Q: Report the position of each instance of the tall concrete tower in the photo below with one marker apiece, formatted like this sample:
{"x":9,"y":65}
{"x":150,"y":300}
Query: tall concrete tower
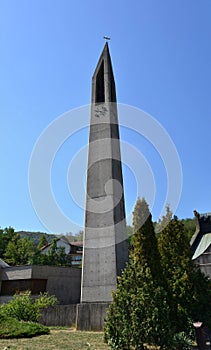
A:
{"x":105,"y":242}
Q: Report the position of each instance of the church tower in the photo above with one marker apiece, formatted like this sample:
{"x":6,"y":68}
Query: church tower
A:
{"x":105,"y":241}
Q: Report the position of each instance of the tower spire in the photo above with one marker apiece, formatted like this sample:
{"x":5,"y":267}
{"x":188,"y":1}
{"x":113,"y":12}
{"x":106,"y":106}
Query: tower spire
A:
{"x":103,"y":84}
{"x":105,"y":242}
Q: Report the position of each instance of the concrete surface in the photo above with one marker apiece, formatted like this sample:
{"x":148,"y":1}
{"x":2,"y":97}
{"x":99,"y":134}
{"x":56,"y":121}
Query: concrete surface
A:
{"x":90,"y":316}
{"x":105,"y":243}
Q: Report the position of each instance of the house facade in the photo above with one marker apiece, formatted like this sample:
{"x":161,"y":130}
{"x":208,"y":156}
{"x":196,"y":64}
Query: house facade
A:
{"x":76,"y":253}
{"x":62,"y":281}
{"x":74,"y":249}
{"x":201,"y":242}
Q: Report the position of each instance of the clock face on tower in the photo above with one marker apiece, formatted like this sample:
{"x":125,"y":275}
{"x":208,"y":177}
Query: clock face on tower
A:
{"x":100,"y":111}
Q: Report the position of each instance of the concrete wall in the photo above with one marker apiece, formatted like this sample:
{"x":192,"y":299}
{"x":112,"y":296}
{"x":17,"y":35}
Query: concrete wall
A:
{"x":16,"y":273}
{"x":91,"y":316}
{"x":5,"y":299}
{"x":60,"y":315}
{"x":63,"y":282}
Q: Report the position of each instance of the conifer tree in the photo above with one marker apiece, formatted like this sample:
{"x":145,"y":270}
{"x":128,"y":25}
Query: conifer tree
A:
{"x":43,"y":241}
{"x":189,"y":289}
{"x":144,"y":241}
{"x":139,"y":313}
{"x":19,"y":251}
{"x":164,"y":221}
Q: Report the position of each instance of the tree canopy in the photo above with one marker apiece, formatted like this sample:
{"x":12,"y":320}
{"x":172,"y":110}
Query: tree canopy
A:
{"x":189,"y":289}
{"x":23,"y":251}
{"x":140,"y":312}
{"x":161,"y":291}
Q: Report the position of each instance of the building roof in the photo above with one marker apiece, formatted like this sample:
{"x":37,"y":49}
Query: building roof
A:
{"x":203,"y":245}
{"x":77,"y":244}
{"x":201,"y":240}
{"x":3,"y":263}
{"x":64,"y":239}
{"x":73,"y":244}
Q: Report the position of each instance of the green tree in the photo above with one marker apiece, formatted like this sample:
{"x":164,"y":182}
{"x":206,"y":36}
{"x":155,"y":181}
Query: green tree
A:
{"x":38,"y":258}
{"x":56,"y":256}
{"x":189,"y":289}
{"x":6,"y":235}
{"x":129,"y":233}
{"x":62,"y":258}
{"x":150,"y":312}
{"x":189,"y":227}
{"x":118,"y":330}
{"x":164,"y":221}
{"x":19,"y":251}
{"x":144,"y":240}
{"x":3,"y":243}
{"x":52,"y":253}
{"x":43,"y":241}
{"x":78,"y":237}
{"x":139,"y":312}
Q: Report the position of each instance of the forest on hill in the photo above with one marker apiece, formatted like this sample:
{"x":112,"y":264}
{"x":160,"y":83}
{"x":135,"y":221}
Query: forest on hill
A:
{"x":23,"y":247}
{"x":35,"y":237}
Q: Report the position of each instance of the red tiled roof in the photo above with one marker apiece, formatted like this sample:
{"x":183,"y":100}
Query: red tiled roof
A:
{"x":78,"y":244}
{"x":45,"y":246}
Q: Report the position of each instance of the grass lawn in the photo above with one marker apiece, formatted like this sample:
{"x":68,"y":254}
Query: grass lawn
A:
{"x":58,"y":339}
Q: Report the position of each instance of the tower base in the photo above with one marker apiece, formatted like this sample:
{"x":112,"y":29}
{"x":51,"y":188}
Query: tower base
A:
{"x":91,"y":316}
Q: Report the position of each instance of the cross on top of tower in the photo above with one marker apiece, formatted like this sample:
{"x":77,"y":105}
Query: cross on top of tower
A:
{"x":106,"y":38}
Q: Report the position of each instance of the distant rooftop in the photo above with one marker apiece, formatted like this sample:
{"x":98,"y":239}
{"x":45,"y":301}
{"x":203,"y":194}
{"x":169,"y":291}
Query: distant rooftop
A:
{"x":78,"y":244}
{"x":3,"y":263}
{"x":201,"y":215}
{"x":201,"y":239}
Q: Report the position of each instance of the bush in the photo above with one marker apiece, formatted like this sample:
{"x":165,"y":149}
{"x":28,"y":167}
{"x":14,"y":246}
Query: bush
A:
{"x":139,"y":313}
{"x":12,"y":328}
{"x":24,"y":308}
{"x":182,"y":341}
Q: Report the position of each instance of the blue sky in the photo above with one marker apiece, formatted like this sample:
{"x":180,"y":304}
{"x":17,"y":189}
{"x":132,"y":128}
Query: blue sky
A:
{"x":161,"y":57}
